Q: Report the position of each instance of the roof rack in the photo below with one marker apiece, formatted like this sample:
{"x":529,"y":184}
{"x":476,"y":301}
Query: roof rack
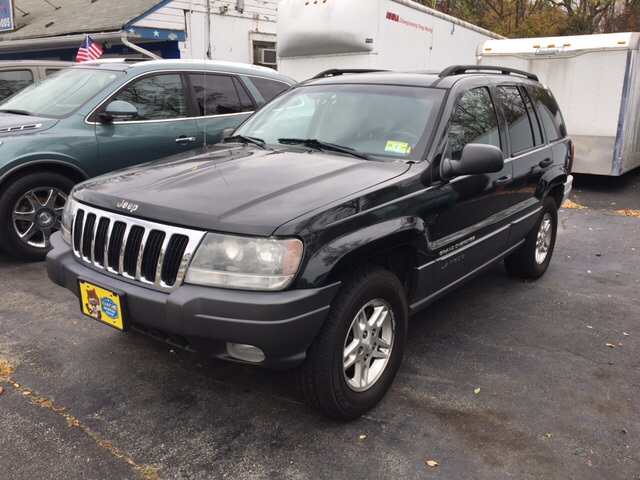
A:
{"x":460,"y":69}
{"x":334,"y":72}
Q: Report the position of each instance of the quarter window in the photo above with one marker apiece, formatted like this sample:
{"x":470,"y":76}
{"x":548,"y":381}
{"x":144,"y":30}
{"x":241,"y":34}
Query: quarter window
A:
{"x":159,"y":97}
{"x":219,"y":94}
{"x":269,"y":88}
{"x":13,"y":81}
{"x":474,"y":121}
{"x":518,"y":121}
{"x":549,"y":113}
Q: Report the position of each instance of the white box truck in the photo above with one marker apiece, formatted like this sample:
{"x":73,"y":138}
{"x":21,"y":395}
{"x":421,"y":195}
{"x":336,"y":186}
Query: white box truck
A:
{"x":318,"y":35}
{"x":596,"y":81}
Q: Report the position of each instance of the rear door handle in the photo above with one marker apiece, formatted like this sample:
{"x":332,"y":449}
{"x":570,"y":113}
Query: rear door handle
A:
{"x":545,"y":163}
{"x":503,"y":180}
{"x":184,"y":139}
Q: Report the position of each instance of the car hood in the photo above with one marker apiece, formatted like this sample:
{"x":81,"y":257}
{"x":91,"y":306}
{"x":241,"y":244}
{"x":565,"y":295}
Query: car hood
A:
{"x":12,"y":124}
{"x":240,"y":190}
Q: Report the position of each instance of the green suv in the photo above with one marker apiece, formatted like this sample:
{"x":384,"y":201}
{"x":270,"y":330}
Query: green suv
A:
{"x":101,"y":116}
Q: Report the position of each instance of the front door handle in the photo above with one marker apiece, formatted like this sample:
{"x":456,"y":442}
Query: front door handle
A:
{"x":184,"y":139}
{"x":545,"y":163}
{"x":503,"y":180}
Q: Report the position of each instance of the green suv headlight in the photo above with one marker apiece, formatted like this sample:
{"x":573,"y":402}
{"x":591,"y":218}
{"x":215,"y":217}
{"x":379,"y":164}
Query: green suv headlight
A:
{"x":67,"y":218}
{"x":246,"y":263}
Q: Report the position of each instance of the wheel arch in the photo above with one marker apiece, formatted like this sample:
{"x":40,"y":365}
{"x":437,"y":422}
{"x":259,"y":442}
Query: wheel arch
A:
{"x":394,"y":245}
{"x":61,"y":167}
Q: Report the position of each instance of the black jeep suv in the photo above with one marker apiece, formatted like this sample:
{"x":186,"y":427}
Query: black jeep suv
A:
{"x":307,"y":238}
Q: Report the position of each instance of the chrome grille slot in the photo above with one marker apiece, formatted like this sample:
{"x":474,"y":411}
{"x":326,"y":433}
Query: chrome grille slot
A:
{"x":87,"y":237}
{"x":173,"y":257}
{"x":153,"y":254}
{"x":134,"y":240}
{"x":100,"y":241}
{"x":114,"y":245}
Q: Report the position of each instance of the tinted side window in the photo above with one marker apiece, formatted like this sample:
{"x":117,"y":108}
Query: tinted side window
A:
{"x":549,"y":113}
{"x":216,"y":94}
{"x":517,"y":118}
{"x":269,"y":88}
{"x":245,"y":100}
{"x":158,"y":97}
{"x":535,"y":124}
{"x":13,"y":81}
{"x":474,"y":121}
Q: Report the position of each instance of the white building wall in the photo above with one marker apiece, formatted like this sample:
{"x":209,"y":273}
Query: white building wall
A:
{"x":225,"y":35}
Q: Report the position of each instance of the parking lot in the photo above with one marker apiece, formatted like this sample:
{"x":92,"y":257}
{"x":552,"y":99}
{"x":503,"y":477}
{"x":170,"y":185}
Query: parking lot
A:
{"x":502,"y":378}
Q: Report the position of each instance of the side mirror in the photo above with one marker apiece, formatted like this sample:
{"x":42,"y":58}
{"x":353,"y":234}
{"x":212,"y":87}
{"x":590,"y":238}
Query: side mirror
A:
{"x":119,"y":110}
{"x":226,"y":133}
{"x":476,"y":158}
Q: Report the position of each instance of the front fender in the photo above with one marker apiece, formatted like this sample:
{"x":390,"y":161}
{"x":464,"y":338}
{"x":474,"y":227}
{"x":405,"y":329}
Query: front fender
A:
{"x":340,"y":255}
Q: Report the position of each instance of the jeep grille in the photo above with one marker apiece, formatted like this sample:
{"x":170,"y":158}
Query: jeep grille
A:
{"x":154,"y":254}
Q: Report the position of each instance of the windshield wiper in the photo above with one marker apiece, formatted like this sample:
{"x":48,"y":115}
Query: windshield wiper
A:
{"x":253,"y":140}
{"x":320,"y":145}
{"x":16,"y":112}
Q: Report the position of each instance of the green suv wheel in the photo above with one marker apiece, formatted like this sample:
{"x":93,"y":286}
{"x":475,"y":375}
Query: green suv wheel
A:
{"x":30,"y":211}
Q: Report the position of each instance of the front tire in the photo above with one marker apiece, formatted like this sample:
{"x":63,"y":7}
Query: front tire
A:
{"x":30,"y":211}
{"x":358,"y":351}
{"x":532,"y":259}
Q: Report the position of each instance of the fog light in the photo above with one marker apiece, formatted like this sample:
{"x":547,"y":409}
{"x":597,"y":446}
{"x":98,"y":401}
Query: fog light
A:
{"x":248,"y":353}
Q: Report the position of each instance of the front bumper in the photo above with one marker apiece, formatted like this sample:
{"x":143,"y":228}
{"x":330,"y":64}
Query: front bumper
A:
{"x":282,"y":324}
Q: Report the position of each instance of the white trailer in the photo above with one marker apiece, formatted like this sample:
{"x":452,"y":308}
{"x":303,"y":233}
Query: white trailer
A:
{"x":596,"y":81}
{"x":317,"y":35}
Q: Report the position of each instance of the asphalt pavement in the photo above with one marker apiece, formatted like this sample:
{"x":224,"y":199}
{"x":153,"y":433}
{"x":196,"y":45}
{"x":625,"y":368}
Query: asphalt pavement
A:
{"x":503,"y":378}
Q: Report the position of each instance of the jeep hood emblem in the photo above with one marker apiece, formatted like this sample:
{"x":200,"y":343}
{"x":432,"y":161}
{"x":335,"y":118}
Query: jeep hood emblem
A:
{"x":132,"y":207}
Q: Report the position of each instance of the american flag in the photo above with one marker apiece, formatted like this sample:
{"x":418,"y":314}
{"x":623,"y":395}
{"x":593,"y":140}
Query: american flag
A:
{"x":89,"y":50}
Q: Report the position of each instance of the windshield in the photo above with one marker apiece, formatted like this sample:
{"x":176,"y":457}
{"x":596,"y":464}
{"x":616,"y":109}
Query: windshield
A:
{"x":61,"y":93}
{"x":381,"y":120}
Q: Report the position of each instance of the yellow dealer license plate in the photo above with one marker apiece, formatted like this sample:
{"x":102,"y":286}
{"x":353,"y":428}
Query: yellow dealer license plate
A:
{"x":102,"y":304}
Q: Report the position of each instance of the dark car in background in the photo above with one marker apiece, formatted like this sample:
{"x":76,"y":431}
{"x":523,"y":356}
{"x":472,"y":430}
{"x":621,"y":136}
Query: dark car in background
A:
{"x":105,"y":115}
{"x":18,"y":74}
{"x":307,"y":238}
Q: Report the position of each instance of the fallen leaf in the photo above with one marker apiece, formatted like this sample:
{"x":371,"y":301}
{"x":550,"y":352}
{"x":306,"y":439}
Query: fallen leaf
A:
{"x":431,"y":463}
{"x":16,"y":385}
{"x":568,"y":256}
{"x":26,"y":393}
{"x":588,"y":271}
{"x":589,"y":464}
{"x":61,"y":410}
{"x":173,"y":352}
{"x":610,"y":345}
{"x":549,"y":435}
{"x":625,"y":334}
{"x":362,"y":437}
{"x":41,"y":400}
{"x":591,"y":229}
{"x":599,"y":229}
{"x":1,"y":390}
{"x":75,"y":323}
{"x":619,"y":344}
{"x":624,"y":430}
{"x":477,"y":390}
{"x":598,"y":254}
{"x":589,"y":326}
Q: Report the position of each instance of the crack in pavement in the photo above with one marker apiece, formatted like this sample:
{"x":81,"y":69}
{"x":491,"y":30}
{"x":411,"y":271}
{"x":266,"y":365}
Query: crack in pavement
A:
{"x":553,"y":350}
{"x":6,"y":370}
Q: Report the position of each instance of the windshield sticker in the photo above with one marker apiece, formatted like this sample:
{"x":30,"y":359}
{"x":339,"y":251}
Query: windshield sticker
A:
{"x":397,"y":147}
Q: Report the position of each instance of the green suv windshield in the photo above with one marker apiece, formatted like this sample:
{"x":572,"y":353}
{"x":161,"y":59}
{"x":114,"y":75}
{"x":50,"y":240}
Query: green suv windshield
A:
{"x":59,"y":94}
{"x":380,"y":120}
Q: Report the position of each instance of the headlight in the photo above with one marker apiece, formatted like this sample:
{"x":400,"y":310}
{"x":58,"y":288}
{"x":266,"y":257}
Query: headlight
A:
{"x":67,"y":218}
{"x":247,"y":263}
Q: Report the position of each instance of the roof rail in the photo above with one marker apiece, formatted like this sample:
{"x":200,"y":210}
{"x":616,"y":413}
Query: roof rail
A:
{"x":460,"y":69}
{"x":334,"y":72}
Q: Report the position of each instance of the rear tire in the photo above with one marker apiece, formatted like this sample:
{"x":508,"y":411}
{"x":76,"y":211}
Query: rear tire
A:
{"x":532,"y":259}
{"x":30,"y":211}
{"x":355,"y":357}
